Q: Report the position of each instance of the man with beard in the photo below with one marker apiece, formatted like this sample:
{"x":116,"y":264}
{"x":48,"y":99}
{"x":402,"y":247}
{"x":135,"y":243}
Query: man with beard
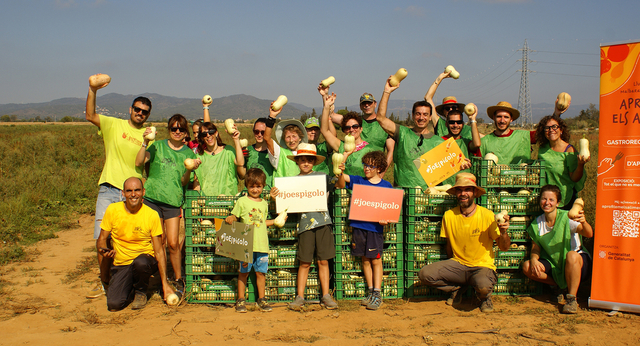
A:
{"x":510,"y":146}
{"x":122,"y":141}
{"x":131,"y":244}
{"x":470,"y":231}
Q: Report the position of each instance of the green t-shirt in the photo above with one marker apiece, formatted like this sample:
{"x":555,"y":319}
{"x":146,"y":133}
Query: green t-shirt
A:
{"x":354,"y":165}
{"x":374,"y":134}
{"x":121,"y":146}
{"x":442,"y":130}
{"x":463,"y":143}
{"x":217,"y":173}
{"x":260,"y":159}
{"x":511,"y":149}
{"x":166,"y":168}
{"x":558,"y":167}
{"x":405,"y":172}
{"x":286,"y":167}
{"x":326,"y":166}
{"x":554,"y":244}
{"x":254,"y":213}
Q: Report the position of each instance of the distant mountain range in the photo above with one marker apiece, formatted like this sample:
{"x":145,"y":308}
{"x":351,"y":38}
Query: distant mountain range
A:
{"x":241,"y":106}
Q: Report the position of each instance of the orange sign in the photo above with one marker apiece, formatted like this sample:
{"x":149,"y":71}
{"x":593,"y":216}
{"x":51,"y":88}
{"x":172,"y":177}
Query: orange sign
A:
{"x":372,"y":203}
{"x":440,"y":163}
{"x":616,"y":257}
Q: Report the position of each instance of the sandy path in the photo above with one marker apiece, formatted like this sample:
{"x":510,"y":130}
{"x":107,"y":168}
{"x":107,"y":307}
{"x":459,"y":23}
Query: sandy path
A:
{"x":42,"y":305}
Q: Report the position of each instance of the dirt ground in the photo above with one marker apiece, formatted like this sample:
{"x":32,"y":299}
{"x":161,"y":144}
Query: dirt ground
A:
{"x":43,"y":302}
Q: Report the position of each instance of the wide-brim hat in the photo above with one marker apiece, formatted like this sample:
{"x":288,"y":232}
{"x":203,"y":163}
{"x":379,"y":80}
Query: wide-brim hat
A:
{"x":307,"y":149}
{"x":503,"y":106}
{"x":284,"y":123}
{"x":465,"y":179}
{"x":449,"y":101}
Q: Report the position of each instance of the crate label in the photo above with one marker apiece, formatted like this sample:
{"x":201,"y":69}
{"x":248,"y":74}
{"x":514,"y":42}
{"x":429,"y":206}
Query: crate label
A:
{"x":513,"y":199}
{"x":219,"y":287}
{"x":510,"y":280}
{"x":287,"y":290}
{"x":513,"y":172}
{"x":441,"y":200}
{"x":519,"y":227}
{"x":512,"y":253}
{"x":288,"y":252}
{"x":432,"y":255}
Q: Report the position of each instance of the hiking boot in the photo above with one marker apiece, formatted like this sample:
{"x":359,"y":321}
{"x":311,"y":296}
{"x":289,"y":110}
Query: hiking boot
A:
{"x":241,"y":306}
{"x":571,"y":306}
{"x":456,"y":296}
{"x":375,"y":302}
{"x":297,"y":304}
{"x":328,"y":302}
{"x":486,"y":305}
{"x":264,"y":305}
{"x":139,"y":301}
{"x":365,"y":301}
{"x":97,"y":291}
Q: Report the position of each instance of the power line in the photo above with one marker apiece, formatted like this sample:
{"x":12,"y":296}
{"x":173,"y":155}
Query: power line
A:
{"x":562,"y":63}
{"x":546,"y":51}
{"x":566,"y":74}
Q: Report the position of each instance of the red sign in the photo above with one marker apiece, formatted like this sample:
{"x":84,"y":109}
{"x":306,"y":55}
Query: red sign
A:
{"x":372,"y":203}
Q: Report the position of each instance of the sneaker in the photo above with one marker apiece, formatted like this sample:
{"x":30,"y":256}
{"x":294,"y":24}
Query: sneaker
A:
{"x":486,"y":305}
{"x":365,"y":301}
{"x":264,"y":306}
{"x":328,"y":302}
{"x":376,"y":301}
{"x":97,"y":291}
{"x":241,"y":306}
{"x":297,"y":304}
{"x":571,"y":306}
{"x":456,"y":296}
{"x":139,"y":301}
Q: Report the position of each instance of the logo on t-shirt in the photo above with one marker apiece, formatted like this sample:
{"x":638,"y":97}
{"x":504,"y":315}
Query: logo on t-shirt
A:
{"x":256,"y":217}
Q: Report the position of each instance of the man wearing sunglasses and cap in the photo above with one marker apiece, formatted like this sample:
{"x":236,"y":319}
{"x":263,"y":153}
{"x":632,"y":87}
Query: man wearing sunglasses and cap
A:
{"x":470,"y":231}
{"x":510,"y":146}
{"x":122,"y":142}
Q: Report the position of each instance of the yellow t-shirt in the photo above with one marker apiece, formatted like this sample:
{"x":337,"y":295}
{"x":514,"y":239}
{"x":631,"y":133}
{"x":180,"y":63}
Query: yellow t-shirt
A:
{"x":121,"y":145}
{"x":471,"y":238}
{"x":131,"y":234}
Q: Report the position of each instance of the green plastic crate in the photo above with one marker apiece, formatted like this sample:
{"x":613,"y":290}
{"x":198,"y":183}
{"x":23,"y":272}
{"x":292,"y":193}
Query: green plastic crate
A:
{"x":530,"y":173}
{"x":205,"y":207}
{"x":516,"y":283}
{"x":392,"y":259}
{"x":513,"y":202}
{"x":418,"y":203}
{"x":206,"y":289}
{"x":416,"y":289}
{"x":342,"y":230}
{"x":423,"y":230}
{"x":288,"y":232}
{"x":419,"y":255}
{"x":510,"y":259}
{"x":353,"y":286}
{"x":281,"y":285}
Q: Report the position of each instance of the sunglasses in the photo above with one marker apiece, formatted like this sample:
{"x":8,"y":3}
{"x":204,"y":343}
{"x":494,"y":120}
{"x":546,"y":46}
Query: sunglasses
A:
{"x":370,"y":166}
{"x":450,"y":108}
{"x":140,"y":110}
{"x":553,"y":128}
{"x":177,"y":129}
{"x":258,"y":132}
{"x":207,"y":133}
{"x":459,"y":122}
{"x":347,"y":127}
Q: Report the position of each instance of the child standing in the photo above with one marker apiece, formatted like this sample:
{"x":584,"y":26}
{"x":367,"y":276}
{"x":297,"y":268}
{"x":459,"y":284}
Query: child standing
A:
{"x":252,"y":210}
{"x":367,"y":237}
{"x":315,"y":235}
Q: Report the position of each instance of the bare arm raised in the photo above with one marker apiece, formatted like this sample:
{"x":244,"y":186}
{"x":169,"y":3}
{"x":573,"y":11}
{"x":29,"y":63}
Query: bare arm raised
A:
{"x":387,"y":124}
{"x":431,"y":93}
{"x":325,"y":123}
{"x":90,"y":110}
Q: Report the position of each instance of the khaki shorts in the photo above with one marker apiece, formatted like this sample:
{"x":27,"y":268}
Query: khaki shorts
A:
{"x":318,"y":241}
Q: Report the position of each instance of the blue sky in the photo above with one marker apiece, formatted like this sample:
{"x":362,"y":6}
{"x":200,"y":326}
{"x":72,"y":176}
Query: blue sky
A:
{"x":268,"y":48}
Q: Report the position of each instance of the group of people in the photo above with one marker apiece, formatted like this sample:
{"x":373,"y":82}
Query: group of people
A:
{"x":469,"y":229}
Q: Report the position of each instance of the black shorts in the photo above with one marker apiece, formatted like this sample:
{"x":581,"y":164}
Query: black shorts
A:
{"x":366,"y":243}
{"x":319,"y":241}
{"x":165,"y":211}
{"x":585,"y":273}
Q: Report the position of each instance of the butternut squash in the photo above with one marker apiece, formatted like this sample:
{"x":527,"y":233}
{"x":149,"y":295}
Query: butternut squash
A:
{"x":228,"y":124}
{"x":491,"y":157}
{"x":279,"y":103}
{"x":244,"y":143}
{"x":99,"y":80}
{"x":151,"y":136}
{"x":398,"y":77}
{"x":578,"y":205}
{"x":328,"y":81}
{"x":279,"y":221}
{"x":173,"y":300}
{"x":207,"y":100}
{"x":190,"y":164}
{"x":469,"y":109}
{"x":500,"y":217}
{"x":349,"y":143}
{"x":583,"y":148}
{"x":452,"y":72}
{"x":563,"y":101}
{"x":337,"y":159}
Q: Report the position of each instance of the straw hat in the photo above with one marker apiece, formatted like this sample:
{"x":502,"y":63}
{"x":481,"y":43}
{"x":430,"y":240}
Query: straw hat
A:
{"x":503,"y":106}
{"x":464,"y":180}
{"x":307,"y":149}
{"x":449,"y":101}
{"x":284,"y":123}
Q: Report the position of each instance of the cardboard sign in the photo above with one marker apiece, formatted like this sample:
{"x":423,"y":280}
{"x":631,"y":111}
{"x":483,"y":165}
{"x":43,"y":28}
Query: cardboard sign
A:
{"x":235,"y":241}
{"x":440,"y":163}
{"x":302,"y":193}
{"x":372,"y":203}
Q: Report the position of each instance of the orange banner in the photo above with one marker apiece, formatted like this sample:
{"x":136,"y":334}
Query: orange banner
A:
{"x":372,"y":203}
{"x":440,"y":163}
{"x":616,"y":257}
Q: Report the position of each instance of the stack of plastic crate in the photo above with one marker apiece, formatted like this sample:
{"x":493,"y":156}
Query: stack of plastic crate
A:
{"x":210,"y":278}
{"x":423,"y":244}
{"x":349,"y":279}
{"x":281,"y":281}
{"x":514,"y":188}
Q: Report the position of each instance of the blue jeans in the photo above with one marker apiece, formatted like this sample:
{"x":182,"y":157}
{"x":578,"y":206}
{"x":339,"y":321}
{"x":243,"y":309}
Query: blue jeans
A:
{"x":108,"y":194}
